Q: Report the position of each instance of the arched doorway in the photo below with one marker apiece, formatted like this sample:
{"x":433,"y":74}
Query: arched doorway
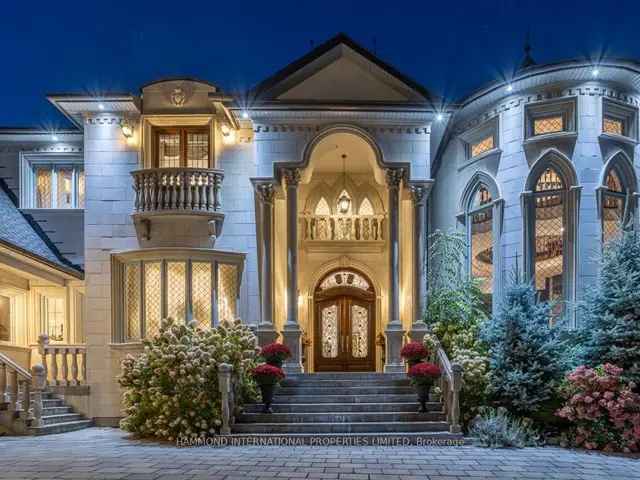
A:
{"x":344,"y":311}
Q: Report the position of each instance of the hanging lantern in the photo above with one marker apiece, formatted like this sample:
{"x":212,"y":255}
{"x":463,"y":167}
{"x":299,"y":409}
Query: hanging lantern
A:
{"x":344,"y":202}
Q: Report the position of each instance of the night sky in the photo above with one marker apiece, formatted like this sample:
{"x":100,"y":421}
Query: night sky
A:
{"x":451,"y":47}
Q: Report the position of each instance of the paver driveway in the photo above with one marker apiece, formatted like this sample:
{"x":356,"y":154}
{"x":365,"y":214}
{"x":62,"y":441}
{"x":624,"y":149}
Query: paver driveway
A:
{"x":100,"y":453}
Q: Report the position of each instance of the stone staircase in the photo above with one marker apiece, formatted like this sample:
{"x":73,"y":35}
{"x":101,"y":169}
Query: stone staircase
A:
{"x":363,"y":404}
{"x":58,"y":417}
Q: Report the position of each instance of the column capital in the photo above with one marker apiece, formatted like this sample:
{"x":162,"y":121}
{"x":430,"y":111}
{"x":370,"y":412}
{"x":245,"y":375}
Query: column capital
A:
{"x":266,"y":192}
{"x":418,"y":194}
{"x":394,"y":176}
{"x":291,"y":176}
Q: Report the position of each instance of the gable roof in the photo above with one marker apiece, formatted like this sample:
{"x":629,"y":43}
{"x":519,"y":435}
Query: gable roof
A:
{"x":274,"y":86}
{"x":21,"y":233}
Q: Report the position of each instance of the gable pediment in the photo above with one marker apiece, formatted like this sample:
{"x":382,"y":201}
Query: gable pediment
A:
{"x":341,"y":71}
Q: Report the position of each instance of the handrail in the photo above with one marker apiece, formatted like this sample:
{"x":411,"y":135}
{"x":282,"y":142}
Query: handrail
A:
{"x":16,"y":387}
{"x":450,"y":385}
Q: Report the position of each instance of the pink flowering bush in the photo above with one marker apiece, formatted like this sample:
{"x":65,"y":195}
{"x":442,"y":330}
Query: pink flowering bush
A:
{"x":603,"y":409}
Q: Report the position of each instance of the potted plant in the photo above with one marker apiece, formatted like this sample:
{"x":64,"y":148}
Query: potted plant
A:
{"x":413,"y":353}
{"x":267,"y":377}
{"x":422,"y":376}
{"x":275,"y":354}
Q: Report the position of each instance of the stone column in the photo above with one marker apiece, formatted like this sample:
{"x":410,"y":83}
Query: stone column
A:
{"x":291,"y":333}
{"x":394,"y":330}
{"x":419,"y":327}
{"x":266,"y":332}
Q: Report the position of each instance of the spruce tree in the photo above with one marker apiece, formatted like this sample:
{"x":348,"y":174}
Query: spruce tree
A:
{"x":524,"y":353}
{"x":611,"y":321}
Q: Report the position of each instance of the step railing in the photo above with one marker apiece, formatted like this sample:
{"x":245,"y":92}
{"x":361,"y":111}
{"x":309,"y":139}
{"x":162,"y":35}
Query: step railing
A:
{"x":64,"y":365}
{"x":183,"y":189}
{"x":227,"y":397}
{"x":20,"y":395}
{"x":450,"y":386}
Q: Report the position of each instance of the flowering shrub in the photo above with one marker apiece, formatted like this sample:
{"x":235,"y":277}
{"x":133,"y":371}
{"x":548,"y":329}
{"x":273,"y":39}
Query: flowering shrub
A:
{"x":275,"y":353}
{"x":424,"y":372}
{"x":604,"y":410}
{"x":265,"y":374}
{"x":171,"y":389}
{"x":413,"y":352}
{"x":475,"y":377}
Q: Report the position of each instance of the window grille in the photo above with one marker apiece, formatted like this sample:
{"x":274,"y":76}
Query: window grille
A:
{"x":482,"y":146}
{"x":545,"y":125}
{"x":613,"y":126}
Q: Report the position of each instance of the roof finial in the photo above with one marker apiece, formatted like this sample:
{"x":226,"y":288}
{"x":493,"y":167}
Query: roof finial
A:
{"x":528,"y":60}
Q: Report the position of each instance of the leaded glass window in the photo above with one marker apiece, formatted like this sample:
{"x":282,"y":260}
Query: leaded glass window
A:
{"x":176,"y":293}
{"x":227,"y":292}
{"x":482,"y":146}
{"x":132,"y":300}
{"x":480,"y":228}
{"x":329,"y":321}
{"x":43,"y":188}
{"x":551,"y":124}
{"x":365,"y":207}
{"x":612,"y":125}
{"x":322,"y":207}
{"x":54,"y":186}
{"x":359,"y":331}
{"x":54,"y":318}
{"x":344,"y":278}
{"x":168,"y":150}
{"x":613,"y":206}
{"x":152,"y":298}
{"x":182,"y":147}
{"x":201,"y":293}
{"x":65,"y":191}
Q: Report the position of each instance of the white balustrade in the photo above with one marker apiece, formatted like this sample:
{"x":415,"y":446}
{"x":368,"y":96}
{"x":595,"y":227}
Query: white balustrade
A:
{"x":343,"y":228}
{"x":177,"y":189}
{"x":16,"y":387}
{"x":55,"y":359}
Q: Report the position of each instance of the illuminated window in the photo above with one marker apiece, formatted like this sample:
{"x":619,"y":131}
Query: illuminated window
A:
{"x":54,"y":186}
{"x":480,"y":238}
{"x":612,"y":125}
{"x":550,"y":124}
{"x":482,"y":146}
{"x":157,"y":289}
{"x":365,"y":207}
{"x":322,"y":208}
{"x":54,"y":318}
{"x":5,"y":319}
{"x":182,"y":147}
{"x":613,"y":205}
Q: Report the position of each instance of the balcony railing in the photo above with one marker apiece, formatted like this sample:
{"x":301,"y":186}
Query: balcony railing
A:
{"x":170,"y":190}
{"x":363,"y":228}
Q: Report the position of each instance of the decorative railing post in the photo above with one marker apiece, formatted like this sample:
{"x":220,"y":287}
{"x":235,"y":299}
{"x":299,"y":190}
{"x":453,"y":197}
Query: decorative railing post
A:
{"x":25,"y":404}
{"x":14,"y":405}
{"x":43,"y":343}
{"x":74,"y":365}
{"x":38,"y":385}
{"x":54,"y":366}
{"x":4,"y":391}
{"x":65,"y":366}
{"x":224,"y":384}
{"x":454,"y":426}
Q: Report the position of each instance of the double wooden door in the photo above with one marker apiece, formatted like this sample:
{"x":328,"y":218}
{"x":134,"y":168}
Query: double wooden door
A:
{"x":344,"y":334}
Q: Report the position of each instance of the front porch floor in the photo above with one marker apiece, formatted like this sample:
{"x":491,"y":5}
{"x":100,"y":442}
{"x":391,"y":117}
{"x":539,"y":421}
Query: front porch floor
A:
{"x":102,"y":453}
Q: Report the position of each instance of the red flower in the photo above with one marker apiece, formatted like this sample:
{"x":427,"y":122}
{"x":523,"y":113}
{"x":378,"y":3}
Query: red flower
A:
{"x":414,"y":351}
{"x":275,"y":350}
{"x":266,"y":371}
{"x":424,"y":370}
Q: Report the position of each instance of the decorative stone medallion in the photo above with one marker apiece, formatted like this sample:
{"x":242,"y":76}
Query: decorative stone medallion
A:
{"x":178,"y":97}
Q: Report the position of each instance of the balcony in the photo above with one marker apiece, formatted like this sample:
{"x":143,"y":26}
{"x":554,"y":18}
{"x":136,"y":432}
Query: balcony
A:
{"x":169,"y":197}
{"x":335,"y":232}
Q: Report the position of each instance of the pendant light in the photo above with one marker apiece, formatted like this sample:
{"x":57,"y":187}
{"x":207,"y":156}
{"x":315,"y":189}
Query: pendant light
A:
{"x":344,"y":202}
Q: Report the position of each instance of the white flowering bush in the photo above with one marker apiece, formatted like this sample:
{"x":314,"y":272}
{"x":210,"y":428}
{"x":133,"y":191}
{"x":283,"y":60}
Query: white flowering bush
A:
{"x":171,"y":389}
{"x":475,"y":377}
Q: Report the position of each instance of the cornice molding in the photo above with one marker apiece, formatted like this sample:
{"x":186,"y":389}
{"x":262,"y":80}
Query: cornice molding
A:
{"x":384,"y":114}
{"x":51,"y":149}
{"x":104,"y":119}
{"x":587,"y":90}
{"x":292,"y":128}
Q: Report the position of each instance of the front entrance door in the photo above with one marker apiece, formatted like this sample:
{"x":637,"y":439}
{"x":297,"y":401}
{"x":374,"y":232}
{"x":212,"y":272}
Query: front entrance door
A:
{"x":344,"y":325}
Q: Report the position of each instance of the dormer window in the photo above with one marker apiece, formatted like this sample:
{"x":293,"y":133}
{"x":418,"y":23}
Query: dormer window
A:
{"x":481,"y":141}
{"x":550,"y":117}
{"x":182,"y":147}
{"x":619,"y":119}
{"x":550,"y":124}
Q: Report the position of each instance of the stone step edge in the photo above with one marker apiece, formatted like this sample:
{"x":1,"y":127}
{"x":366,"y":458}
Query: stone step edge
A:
{"x":54,"y":426}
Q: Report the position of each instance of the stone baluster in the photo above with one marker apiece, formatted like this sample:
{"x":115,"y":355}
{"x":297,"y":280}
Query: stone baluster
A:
{"x":83,"y":355}
{"x":136,"y":189}
{"x":210,"y":195}
{"x":4,"y":391}
{"x":224,"y":385}
{"x":74,"y":366}
{"x":189,"y":196}
{"x":25,"y":404}
{"x":182,"y":197}
{"x":43,"y":343}
{"x":38,"y":384}
{"x":54,"y":366}
{"x":14,"y":403}
{"x":217,"y":184}
{"x":65,"y":366}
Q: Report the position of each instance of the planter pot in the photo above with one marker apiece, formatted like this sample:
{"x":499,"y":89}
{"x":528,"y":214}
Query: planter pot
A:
{"x":267,"y":390}
{"x":422,"y":391}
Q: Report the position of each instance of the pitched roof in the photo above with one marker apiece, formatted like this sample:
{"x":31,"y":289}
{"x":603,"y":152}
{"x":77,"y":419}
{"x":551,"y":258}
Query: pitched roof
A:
{"x":264,"y":90}
{"x":21,"y":232}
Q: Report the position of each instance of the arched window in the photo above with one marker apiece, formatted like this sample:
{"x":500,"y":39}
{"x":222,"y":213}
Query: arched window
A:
{"x":479,"y":223}
{"x":616,"y":197}
{"x":365,"y":207}
{"x":322,"y":207}
{"x":550,"y":204}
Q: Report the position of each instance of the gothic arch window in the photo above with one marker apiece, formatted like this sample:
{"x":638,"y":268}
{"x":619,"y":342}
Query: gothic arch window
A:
{"x":366,"y":208}
{"x":322,"y":207}
{"x":481,"y":215}
{"x":550,"y":225}
{"x":615,"y":194}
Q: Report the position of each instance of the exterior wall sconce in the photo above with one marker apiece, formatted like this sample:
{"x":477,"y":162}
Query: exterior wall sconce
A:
{"x":228,"y":135}
{"x":127,"y":128}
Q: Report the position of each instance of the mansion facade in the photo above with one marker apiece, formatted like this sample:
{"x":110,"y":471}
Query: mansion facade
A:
{"x":303,"y":208}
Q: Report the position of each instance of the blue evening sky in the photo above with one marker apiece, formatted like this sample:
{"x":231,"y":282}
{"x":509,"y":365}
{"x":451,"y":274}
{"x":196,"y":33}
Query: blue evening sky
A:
{"x":451,"y":47}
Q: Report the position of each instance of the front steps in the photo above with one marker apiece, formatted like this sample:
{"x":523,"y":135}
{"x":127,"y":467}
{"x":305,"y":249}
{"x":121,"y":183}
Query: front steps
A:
{"x":345,"y":404}
{"x":58,"y":417}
